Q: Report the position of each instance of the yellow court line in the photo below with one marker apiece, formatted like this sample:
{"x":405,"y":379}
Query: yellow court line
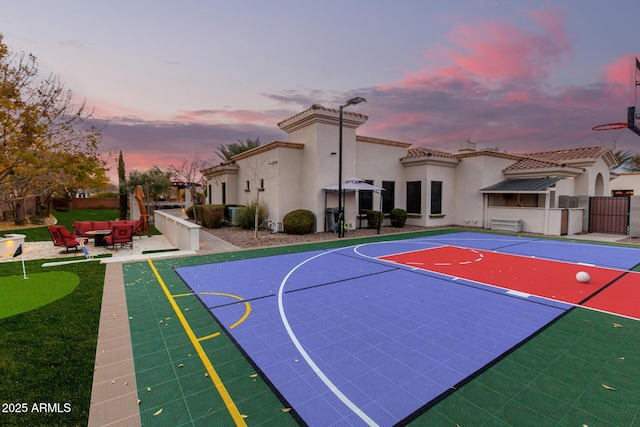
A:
{"x":209,"y":336}
{"x":231,"y":406}
{"x":183,"y":295}
{"x":247,"y":306}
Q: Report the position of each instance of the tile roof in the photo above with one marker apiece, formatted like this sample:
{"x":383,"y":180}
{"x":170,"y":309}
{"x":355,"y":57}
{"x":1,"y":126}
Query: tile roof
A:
{"x":320,"y":107}
{"x":568,"y":154}
{"x":556,"y":158}
{"x":416,"y":152}
{"x":529,"y":163}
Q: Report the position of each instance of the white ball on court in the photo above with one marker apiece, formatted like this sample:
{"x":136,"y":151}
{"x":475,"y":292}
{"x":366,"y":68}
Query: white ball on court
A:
{"x":583,"y":277}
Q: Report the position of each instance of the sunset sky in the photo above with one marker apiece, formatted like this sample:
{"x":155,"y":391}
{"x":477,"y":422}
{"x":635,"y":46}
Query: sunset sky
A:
{"x":177,"y":79}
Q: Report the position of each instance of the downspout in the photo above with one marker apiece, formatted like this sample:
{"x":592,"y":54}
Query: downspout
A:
{"x":547,"y":204}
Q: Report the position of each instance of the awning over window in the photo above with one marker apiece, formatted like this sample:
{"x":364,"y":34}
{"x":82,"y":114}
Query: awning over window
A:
{"x":523,"y":185}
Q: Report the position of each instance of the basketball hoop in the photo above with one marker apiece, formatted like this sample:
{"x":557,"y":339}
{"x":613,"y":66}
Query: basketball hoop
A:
{"x":608,"y":134}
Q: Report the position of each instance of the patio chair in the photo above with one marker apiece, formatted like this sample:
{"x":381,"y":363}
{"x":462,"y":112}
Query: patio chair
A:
{"x":121,"y":234}
{"x":64,"y":238}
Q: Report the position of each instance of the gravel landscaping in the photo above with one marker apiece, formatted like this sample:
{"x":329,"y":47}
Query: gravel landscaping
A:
{"x":246,"y":238}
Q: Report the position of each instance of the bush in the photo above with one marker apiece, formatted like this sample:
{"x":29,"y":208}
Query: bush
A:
{"x":36,"y":219}
{"x":398,"y":217}
{"x":246,"y":217}
{"x":106,"y":195}
{"x":374,"y":219}
{"x":198,"y":209}
{"x":212,"y":216}
{"x":298,"y":222}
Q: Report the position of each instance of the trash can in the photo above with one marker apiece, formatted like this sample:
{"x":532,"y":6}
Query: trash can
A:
{"x":332,"y":219}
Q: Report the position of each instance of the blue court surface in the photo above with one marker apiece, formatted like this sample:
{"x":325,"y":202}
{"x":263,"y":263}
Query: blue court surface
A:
{"x":349,"y":339}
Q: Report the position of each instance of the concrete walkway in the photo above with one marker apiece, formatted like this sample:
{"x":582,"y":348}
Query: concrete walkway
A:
{"x":210,"y":244}
{"x":597,"y":237}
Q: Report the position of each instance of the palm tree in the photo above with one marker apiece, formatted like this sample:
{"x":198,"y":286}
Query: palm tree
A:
{"x":226,"y":152}
{"x":624,"y":159}
{"x":633,"y":164}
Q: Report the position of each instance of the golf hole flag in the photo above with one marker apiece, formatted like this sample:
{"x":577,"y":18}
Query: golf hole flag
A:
{"x":18,"y":252}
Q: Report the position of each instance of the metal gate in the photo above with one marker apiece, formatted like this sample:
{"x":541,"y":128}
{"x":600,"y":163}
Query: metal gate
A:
{"x":609,"y":215}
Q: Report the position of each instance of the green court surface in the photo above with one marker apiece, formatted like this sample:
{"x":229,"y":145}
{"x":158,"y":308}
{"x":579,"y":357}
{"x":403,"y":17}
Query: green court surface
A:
{"x":580,"y":370}
{"x":170,"y":375}
{"x":20,"y":295}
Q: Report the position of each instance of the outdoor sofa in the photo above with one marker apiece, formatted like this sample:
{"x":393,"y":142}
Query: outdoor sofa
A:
{"x":81,"y":227}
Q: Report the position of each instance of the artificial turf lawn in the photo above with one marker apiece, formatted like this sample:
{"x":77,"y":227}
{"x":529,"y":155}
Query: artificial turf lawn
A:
{"x":38,"y":289}
{"x":47,"y":354}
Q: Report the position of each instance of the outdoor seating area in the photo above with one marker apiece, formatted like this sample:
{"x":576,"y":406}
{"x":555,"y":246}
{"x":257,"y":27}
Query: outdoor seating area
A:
{"x":121,"y":235}
{"x":89,"y":228}
{"x":147,"y":247}
{"x":64,"y":238}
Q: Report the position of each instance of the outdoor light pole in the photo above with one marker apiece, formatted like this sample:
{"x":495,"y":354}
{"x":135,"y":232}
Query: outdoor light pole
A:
{"x":148,"y":183}
{"x":352,"y":101}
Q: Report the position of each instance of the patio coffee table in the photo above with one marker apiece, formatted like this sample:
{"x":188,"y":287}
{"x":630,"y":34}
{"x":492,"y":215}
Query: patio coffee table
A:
{"x":99,"y":236}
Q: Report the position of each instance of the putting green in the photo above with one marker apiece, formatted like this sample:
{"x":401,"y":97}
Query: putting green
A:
{"x":18,"y":295}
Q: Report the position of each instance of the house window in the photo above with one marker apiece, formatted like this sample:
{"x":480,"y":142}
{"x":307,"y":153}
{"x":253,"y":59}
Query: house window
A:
{"x":247,"y":186}
{"x":224,"y":193}
{"x":414,"y":197}
{"x":365,"y":199}
{"x":388,"y":196}
{"x":436,"y":197}
{"x":261,"y":184}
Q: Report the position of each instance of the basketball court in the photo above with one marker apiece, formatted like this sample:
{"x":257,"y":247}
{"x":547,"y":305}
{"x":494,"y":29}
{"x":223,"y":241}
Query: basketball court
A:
{"x":424,"y":331}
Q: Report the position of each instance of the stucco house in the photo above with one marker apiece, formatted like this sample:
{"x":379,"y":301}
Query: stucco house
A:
{"x":541,"y":192}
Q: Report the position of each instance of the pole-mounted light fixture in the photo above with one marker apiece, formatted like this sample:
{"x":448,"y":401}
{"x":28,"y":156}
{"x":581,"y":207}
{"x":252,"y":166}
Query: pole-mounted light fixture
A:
{"x":352,"y":101}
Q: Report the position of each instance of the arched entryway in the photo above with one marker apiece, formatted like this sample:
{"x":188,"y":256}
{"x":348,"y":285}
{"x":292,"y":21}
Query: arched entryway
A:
{"x":599,"y":186}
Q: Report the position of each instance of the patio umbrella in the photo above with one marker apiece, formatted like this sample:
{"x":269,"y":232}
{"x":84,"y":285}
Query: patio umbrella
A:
{"x":352,"y":185}
{"x":139,"y":195}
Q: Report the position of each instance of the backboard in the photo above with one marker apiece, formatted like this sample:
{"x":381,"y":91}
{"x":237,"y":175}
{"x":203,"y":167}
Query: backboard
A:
{"x":633,"y":112}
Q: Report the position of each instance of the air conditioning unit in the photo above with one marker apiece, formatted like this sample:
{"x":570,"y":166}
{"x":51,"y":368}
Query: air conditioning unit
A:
{"x":234,"y":213}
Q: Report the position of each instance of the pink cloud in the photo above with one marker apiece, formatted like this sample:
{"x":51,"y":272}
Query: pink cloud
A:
{"x":229,"y":116}
{"x":495,"y":51}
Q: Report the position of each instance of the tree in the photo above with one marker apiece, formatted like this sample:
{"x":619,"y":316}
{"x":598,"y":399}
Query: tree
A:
{"x":226,"y":152}
{"x":122,"y":185}
{"x":189,"y":173}
{"x":633,"y":164}
{"x":154,"y":181}
{"x":623,"y":158}
{"x":48,"y":144}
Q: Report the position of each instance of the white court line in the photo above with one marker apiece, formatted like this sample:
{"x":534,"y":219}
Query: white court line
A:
{"x":316,"y":369}
{"x":518,"y":293}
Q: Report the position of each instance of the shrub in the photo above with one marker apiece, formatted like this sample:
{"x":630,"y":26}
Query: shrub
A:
{"x":246,"y":217}
{"x":212,"y":216}
{"x":374,"y":219}
{"x":299,"y":221}
{"x":198,"y":209}
{"x":36,"y":219}
{"x":106,"y":195}
{"x":398,"y":217}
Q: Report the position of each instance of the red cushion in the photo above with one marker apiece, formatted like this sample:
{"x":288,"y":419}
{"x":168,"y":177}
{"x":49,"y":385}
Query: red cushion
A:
{"x":81,"y":227}
{"x":101,"y":225}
